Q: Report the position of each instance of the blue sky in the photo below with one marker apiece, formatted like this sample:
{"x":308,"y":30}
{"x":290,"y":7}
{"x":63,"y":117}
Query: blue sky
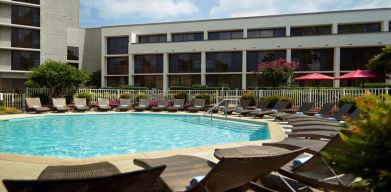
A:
{"x":96,"y":13}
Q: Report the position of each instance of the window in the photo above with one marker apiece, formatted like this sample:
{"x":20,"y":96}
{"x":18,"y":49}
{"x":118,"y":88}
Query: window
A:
{"x":24,"y":60}
{"x":256,"y":57}
{"x":188,"y":37}
{"x":117,"y":45}
{"x":117,"y":66}
{"x":148,"y":64}
{"x":75,"y":65}
{"x":254,"y":81}
{"x":314,"y":59}
{"x":357,"y":58}
{"x":389,"y":26}
{"x":153,"y":38}
{"x":312,"y":30}
{"x":224,"y":62}
{"x":185,"y":63}
{"x":184,"y":80}
{"x":73,"y":53}
{"x":264,"y":33}
{"x":117,"y":81}
{"x":25,"y":38}
{"x":25,"y":16}
{"x":150,"y":81}
{"x":224,"y":35}
{"x":359,"y":28}
{"x":29,"y":1}
{"x":231,"y":81}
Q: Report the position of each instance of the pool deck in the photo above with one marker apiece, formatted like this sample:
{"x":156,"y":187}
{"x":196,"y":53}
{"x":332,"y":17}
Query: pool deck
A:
{"x":29,"y":167}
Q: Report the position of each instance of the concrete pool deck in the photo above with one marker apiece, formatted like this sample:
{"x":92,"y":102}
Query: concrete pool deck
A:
{"x":29,"y":167}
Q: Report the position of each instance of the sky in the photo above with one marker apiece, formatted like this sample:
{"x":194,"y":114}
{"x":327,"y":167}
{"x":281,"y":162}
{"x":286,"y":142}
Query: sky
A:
{"x":95,"y":13}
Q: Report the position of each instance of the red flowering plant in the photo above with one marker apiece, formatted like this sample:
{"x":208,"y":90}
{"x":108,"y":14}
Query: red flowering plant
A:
{"x":277,"y":73}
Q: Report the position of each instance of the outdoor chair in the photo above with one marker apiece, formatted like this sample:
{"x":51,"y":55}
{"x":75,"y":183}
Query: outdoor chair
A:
{"x":142,"y":105}
{"x":81,"y":104}
{"x":178,"y":105}
{"x":307,"y":106}
{"x":277,"y":107}
{"x":261,"y":106}
{"x":103,"y":177}
{"x":60,"y":105}
{"x":35,"y":105}
{"x":161,"y":106}
{"x":323,"y":112}
{"x":104,"y":104}
{"x":124,"y":105}
{"x":197,"y":106}
{"x":189,"y":173}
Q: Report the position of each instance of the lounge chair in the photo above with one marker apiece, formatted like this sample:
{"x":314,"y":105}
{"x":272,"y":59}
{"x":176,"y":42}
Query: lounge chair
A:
{"x":315,"y":128}
{"x":142,"y":105}
{"x":312,"y":146}
{"x":197,"y":106}
{"x":288,"y":112}
{"x":229,"y":173}
{"x":332,"y":121}
{"x":60,"y":105}
{"x":161,"y":106}
{"x":279,"y":106}
{"x":81,"y":104}
{"x":336,"y":117}
{"x":104,"y":104}
{"x":124,"y":105}
{"x":178,"y":105}
{"x":323,"y":112}
{"x":35,"y":105}
{"x":103,"y":177}
{"x":243,"y":105}
{"x":261,"y":106}
{"x":223,"y":106}
{"x":319,"y":134}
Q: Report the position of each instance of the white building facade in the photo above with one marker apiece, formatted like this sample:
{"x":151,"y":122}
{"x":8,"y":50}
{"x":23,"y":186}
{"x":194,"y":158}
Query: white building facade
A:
{"x":219,"y":52}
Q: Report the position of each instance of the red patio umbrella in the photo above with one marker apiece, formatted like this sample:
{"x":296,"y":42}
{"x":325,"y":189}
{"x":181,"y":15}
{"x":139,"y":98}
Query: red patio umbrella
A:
{"x":360,"y":74}
{"x":314,"y":77}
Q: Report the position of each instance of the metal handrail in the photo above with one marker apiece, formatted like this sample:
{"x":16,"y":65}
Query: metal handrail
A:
{"x":214,"y":107}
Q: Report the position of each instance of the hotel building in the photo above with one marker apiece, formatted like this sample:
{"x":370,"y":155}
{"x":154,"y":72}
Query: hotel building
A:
{"x":216,"y":52}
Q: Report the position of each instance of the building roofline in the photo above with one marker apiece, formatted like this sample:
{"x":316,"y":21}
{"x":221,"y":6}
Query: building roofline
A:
{"x":240,"y":18}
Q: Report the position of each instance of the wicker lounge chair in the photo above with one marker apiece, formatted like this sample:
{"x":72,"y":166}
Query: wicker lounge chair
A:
{"x":178,"y":105}
{"x":81,"y":104}
{"x":142,"y":105}
{"x":323,"y":112}
{"x":336,"y":117}
{"x":314,"y":134}
{"x":243,"y":105}
{"x":198,"y":105}
{"x":35,"y":105}
{"x":279,"y":106}
{"x":228,"y":173}
{"x":60,"y":105}
{"x":261,"y":106}
{"x":288,"y":112}
{"x":313,"y":146}
{"x":104,"y":104}
{"x":316,"y":128}
{"x":124,"y":105}
{"x":103,"y":177}
{"x":161,"y":106}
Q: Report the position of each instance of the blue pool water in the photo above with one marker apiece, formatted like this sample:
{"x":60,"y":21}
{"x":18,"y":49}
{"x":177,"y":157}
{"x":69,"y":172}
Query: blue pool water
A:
{"x":82,"y":136}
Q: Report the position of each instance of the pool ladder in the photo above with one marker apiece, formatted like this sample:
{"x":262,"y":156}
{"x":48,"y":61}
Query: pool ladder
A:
{"x":218,"y":105}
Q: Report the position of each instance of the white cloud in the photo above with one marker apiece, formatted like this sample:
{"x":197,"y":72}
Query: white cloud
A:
{"x":116,"y":9}
{"x":236,"y":8}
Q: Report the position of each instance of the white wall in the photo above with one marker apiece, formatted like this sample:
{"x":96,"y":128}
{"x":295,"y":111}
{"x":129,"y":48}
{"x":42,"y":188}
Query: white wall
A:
{"x":5,"y":37}
{"x":5,"y":60}
{"x":5,"y":13}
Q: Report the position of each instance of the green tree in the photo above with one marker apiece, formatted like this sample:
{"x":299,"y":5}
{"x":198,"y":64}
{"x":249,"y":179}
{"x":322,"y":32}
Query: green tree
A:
{"x":276,"y":73}
{"x":57,"y":76}
{"x":368,"y":142}
{"x":95,"y":79}
{"x":381,"y":63}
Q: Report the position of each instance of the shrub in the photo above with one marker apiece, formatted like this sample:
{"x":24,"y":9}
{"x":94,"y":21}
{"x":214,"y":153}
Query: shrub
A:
{"x":43,"y":97}
{"x":8,"y":110}
{"x":86,"y":95}
{"x":197,"y":87}
{"x":125,"y":96}
{"x":181,"y":95}
{"x":377,"y":85}
{"x":277,"y":73}
{"x":141,"y":95}
{"x":249,"y":96}
{"x":202,"y":96}
{"x":275,"y":98}
{"x":368,"y":145}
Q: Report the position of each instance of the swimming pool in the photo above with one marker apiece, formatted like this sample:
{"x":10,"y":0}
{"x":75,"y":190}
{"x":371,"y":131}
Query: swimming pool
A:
{"x":82,"y":136}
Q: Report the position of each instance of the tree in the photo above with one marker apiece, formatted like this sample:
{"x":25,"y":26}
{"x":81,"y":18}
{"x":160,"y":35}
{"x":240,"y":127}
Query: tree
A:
{"x":95,"y":79}
{"x":381,"y":63}
{"x":57,"y":76}
{"x":368,"y":145}
{"x":276,"y":73}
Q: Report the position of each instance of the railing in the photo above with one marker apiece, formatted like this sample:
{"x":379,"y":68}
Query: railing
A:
{"x":318,"y":96}
{"x":13,"y":100}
